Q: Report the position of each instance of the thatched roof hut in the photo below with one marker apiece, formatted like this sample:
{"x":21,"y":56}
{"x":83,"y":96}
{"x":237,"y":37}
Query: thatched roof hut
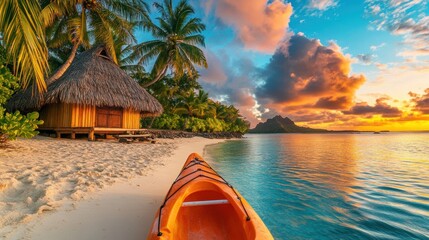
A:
{"x":93,"y":92}
{"x":92,"y":79}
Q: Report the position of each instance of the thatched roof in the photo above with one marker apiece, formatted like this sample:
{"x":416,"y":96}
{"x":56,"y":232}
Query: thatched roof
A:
{"x":92,"y":79}
{"x":25,"y":101}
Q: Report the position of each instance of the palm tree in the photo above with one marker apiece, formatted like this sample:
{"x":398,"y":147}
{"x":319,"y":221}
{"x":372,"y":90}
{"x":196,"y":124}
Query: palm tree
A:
{"x":202,"y":103}
{"x":176,"y":45}
{"x":123,"y":50}
{"x":79,"y":22}
{"x":107,"y":22}
{"x":170,"y":90}
{"x":24,"y":40}
{"x":231,"y":113}
{"x":192,"y":104}
{"x":217,"y":110}
{"x":187,"y":105}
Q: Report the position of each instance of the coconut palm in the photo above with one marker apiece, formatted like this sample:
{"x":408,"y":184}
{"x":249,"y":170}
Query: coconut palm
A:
{"x":193,"y":104}
{"x":177,"y":42}
{"x":123,"y":50}
{"x":217,"y":110}
{"x":79,"y":22}
{"x":82,"y":22}
{"x":24,"y":40}
{"x":231,"y":113}
{"x":202,"y":103}
{"x":187,"y":105}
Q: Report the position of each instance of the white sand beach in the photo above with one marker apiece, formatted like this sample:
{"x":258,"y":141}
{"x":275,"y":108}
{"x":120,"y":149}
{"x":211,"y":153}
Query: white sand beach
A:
{"x":75,"y":189}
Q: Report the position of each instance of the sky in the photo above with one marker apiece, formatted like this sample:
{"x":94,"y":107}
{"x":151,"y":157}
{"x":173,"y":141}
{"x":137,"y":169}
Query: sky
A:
{"x":333,"y":64}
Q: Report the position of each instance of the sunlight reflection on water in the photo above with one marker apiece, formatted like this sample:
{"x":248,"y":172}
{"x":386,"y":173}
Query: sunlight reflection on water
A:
{"x":333,"y":186}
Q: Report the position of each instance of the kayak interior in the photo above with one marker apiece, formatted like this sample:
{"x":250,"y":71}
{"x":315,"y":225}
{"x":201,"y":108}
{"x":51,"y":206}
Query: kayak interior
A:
{"x":217,"y":220}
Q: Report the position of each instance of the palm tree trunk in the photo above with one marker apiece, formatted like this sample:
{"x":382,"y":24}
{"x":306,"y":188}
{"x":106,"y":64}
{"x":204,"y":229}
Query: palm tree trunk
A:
{"x":65,"y":66}
{"x":151,"y":122}
{"x":158,"y":77}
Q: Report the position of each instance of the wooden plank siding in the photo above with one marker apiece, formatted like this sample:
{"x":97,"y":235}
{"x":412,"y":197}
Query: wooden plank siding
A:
{"x":83,"y":116}
{"x":130,"y":119}
{"x":62,"y":115}
{"x":56,"y":115}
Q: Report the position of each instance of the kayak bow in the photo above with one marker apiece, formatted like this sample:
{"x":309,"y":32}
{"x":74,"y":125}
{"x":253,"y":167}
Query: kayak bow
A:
{"x":202,"y":205}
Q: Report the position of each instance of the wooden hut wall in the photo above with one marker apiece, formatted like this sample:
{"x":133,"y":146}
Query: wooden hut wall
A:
{"x":60,"y":115}
{"x":56,"y":115}
{"x":83,"y":116}
{"x":130,"y":119}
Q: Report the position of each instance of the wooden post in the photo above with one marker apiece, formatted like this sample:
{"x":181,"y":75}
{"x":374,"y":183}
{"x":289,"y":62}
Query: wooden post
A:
{"x":58,"y":134}
{"x":73,"y":135}
{"x":91,"y":135}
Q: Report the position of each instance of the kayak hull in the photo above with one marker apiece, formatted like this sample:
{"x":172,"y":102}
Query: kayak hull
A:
{"x":202,"y":205}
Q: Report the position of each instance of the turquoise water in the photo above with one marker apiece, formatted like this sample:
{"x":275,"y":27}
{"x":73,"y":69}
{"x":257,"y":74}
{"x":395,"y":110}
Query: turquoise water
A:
{"x":332,"y":186}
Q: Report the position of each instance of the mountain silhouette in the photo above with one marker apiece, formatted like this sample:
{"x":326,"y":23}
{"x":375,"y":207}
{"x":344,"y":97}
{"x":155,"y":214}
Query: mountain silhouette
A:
{"x":278,"y":124}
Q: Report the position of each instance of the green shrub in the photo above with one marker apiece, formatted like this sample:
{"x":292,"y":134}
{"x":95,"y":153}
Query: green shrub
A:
{"x":13,"y":125}
{"x":166,"y":121}
{"x":17,"y":125}
{"x":194,"y":124}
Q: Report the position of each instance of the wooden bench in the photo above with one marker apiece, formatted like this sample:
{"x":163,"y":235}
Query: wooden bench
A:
{"x":128,"y":138}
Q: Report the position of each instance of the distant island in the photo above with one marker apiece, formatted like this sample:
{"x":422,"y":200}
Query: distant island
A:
{"x":278,"y":124}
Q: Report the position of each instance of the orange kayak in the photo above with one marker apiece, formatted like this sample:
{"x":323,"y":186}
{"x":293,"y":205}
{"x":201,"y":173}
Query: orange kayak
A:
{"x":202,"y":205}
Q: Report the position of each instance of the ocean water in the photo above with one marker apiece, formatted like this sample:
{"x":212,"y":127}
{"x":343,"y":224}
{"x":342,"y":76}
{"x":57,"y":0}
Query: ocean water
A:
{"x":332,"y":186}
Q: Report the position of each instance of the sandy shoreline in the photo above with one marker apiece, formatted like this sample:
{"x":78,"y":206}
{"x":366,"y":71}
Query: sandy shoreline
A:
{"x":64,"y":189}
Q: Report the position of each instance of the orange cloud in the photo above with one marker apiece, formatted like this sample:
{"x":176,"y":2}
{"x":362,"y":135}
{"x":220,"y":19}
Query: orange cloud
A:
{"x":421,"y":102}
{"x":380,"y":108}
{"x":260,"y":26}
{"x":305,"y":74}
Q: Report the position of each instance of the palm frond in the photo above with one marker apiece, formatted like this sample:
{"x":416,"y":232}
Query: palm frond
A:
{"x":57,"y":35}
{"x":146,"y":51}
{"x":179,"y":35}
{"x":24,"y":40}
{"x":161,"y":63}
{"x":195,"y":54}
{"x":50,"y":13}
{"x":193,"y":26}
{"x":182,"y":12}
{"x":103,"y":33}
{"x":195,"y":40}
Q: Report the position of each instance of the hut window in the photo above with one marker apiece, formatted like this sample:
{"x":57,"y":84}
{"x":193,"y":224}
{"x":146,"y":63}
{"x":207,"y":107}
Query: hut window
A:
{"x":104,"y":54}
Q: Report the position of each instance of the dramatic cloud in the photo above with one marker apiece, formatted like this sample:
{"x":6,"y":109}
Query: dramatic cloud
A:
{"x":214,"y":73}
{"x":321,"y":4}
{"x":305,"y":74}
{"x":238,"y":88}
{"x":380,"y":108}
{"x":421,"y":102}
{"x":332,"y":102}
{"x":311,"y":117}
{"x":260,"y":25}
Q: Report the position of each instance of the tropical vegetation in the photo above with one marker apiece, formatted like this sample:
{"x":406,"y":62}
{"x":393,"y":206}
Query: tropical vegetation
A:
{"x":33,"y":31}
{"x":14,"y":124}
{"x":42,"y":37}
{"x":189,"y":108}
{"x":178,"y":36}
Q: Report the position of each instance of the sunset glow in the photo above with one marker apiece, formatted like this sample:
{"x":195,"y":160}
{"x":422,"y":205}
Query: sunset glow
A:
{"x":360,"y":66}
